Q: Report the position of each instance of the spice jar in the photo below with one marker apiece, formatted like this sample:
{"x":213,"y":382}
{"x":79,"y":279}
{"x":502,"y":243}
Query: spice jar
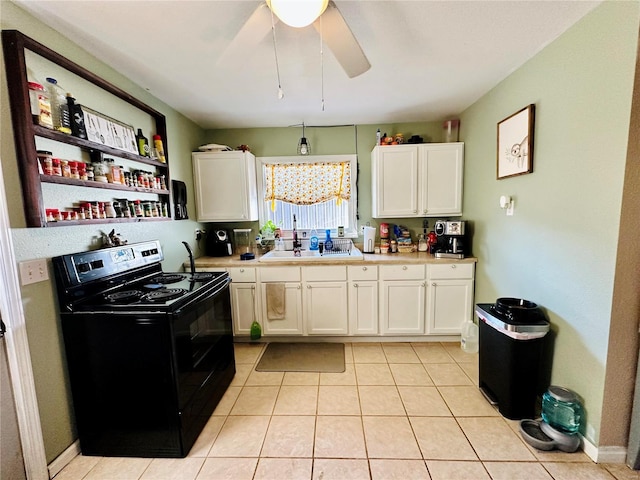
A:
{"x":82,"y":170}
{"x":90,"y":175}
{"x":138,"y":209}
{"x":109,"y":210}
{"x":148,"y":212}
{"x":73,"y":170}
{"x":45,"y":158}
{"x":100,"y":170}
{"x":55,"y":166}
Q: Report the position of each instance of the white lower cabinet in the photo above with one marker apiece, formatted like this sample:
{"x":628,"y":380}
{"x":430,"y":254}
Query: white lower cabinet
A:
{"x":363,"y":300}
{"x":325,"y":300}
{"x":244,"y":301}
{"x":402,"y":299}
{"x":449,"y":298}
{"x":281,"y":307}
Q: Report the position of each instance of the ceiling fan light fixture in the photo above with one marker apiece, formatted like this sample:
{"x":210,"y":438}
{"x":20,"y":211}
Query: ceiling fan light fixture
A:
{"x":298,"y":13}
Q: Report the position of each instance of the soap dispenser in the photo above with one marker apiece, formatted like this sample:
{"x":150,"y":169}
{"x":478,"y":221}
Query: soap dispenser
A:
{"x":313,"y":241}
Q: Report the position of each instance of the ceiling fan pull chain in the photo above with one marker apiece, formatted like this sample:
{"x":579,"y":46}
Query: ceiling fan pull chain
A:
{"x":275,"y":52}
{"x":321,"y":65}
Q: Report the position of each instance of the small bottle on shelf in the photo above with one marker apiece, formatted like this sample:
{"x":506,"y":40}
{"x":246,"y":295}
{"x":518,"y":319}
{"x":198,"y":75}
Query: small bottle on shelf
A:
{"x":158,"y":149}
{"x":59,"y":107}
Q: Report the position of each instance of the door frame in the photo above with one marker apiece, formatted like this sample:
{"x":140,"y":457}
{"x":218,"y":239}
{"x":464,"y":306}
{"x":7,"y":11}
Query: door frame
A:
{"x":18,"y":355}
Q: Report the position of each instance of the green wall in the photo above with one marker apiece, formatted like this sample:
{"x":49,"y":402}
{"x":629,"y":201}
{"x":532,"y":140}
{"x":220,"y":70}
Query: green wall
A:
{"x":559,"y":248}
{"x":359,"y":139}
{"x":40,"y":306}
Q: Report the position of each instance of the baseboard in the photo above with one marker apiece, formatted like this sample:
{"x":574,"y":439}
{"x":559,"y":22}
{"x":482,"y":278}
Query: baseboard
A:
{"x":64,"y":459}
{"x":604,"y":454}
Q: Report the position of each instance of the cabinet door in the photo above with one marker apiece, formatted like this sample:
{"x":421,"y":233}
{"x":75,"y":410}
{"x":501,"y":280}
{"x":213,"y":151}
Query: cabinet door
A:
{"x":225,"y":186}
{"x":291,"y":324}
{"x":243,"y":305}
{"x":440,"y":173}
{"x":450,"y":302}
{"x":402,"y":307}
{"x":395,"y":181}
{"x":325,"y":308}
{"x":363,"y":308}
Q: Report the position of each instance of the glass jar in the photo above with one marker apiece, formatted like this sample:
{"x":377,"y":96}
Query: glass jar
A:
{"x":73,"y":170}
{"x":138,"y":209}
{"x":45,"y":158}
{"x":90,"y":175}
{"x":40,"y":105}
{"x":109,"y":210}
{"x":65,"y":169}
{"x":561,"y":409}
{"x":100,"y":170}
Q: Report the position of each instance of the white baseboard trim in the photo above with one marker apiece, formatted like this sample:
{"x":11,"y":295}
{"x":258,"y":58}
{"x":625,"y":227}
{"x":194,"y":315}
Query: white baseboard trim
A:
{"x":604,"y":454}
{"x":64,"y":459}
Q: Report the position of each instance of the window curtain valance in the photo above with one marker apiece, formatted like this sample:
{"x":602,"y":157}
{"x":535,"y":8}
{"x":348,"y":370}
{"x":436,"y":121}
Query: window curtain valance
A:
{"x":307,"y":183}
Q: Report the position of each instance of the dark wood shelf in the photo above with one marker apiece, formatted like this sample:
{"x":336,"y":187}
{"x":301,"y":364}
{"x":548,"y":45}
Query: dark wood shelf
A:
{"x":93,"y":184}
{"x":99,"y":221}
{"x":44,"y":132}
{"x":14,"y":45}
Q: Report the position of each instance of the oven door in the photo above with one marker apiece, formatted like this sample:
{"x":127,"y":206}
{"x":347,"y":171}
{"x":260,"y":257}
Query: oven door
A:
{"x":205,"y":365}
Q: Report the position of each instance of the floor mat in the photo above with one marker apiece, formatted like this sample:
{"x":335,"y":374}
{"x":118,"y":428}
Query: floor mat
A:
{"x":302,"y":357}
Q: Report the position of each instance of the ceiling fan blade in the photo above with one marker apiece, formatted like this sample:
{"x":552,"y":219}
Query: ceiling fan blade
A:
{"x":254,"y":30}
{"x":339,"y":38}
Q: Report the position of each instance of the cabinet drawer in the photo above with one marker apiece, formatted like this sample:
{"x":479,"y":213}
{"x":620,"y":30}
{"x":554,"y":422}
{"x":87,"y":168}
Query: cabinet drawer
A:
{"x":365,"y":272}
{"x":451,"y":270}
{"x":280,"y":274}
{"x":242,"y":274}
{"x":206,"y":269}
{"x":402,"y":272}
{"x":336,"y":273}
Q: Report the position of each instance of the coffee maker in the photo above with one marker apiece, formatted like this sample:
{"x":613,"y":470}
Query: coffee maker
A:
{"x":218,"y":244}
{"x":451,"y":239}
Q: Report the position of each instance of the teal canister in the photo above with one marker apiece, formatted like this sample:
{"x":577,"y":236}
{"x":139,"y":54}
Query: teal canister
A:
{"x":562,"y":409}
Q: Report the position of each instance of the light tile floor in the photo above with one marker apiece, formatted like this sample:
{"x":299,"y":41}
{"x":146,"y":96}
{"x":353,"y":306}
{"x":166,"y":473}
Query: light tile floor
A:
{"x":399,"y":411}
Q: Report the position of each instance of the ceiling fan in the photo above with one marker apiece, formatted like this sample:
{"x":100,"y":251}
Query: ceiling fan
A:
{"x":335,"y":32}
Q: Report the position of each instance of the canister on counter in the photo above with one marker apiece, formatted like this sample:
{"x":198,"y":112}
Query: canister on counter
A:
{"x":384,"y":245}
{"x":45,"y":158}
{"x":384,"y":230}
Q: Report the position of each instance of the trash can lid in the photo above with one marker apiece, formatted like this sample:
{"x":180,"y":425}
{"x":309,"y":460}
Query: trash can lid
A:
{"x":518,"y":310}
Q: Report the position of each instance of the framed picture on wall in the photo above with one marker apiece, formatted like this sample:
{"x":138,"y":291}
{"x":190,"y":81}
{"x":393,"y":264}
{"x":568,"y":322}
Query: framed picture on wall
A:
{"x":515,"y":143}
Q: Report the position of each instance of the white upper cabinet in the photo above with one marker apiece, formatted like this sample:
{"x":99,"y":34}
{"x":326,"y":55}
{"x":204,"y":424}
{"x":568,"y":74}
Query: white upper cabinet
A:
{"x":225,"y":186}
{"x":417,"y":180}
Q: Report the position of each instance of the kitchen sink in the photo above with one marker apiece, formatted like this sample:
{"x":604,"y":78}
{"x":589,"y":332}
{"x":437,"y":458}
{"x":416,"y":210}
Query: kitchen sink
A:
{"x":311,"y":256}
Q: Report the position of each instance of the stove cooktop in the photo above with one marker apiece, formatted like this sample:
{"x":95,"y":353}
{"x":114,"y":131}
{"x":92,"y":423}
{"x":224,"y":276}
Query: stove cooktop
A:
{"x":160,"y":291}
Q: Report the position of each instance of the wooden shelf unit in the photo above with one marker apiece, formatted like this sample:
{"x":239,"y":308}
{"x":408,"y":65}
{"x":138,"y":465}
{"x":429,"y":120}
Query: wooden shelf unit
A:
{"x":25,"y":132}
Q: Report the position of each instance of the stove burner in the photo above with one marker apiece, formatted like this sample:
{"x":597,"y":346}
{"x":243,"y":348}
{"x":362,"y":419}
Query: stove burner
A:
{"x":127,"y":296}
{"x":167,"y":278}
{"x":164,"y":295}
{"x":202,"y":276}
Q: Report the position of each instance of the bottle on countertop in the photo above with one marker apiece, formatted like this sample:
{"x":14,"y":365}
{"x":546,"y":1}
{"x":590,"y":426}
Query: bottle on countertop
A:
{"x":313,"y":241}
{"x":328,"y":243}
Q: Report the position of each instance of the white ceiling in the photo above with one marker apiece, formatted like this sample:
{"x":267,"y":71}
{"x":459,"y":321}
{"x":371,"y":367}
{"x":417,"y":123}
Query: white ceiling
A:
{"x":430,"y":59}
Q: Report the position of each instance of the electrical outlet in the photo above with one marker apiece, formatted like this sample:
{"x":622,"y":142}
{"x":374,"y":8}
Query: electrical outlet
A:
{"x":34,"y":271}
{"x":361,"y":230}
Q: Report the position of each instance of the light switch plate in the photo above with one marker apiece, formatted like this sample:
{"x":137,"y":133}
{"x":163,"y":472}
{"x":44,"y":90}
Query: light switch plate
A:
{"x":510,"y":208}
{"x":33,"y":271}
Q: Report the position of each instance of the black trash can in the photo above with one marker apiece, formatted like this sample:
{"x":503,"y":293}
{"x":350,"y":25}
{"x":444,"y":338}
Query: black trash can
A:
{"x":512,"y":340}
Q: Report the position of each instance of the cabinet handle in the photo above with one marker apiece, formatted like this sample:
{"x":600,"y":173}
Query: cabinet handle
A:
{"x":355,"y":285}
{"x":453,"y":266}
{"x":242,"y":270}
{"x":415,"y":211}
{"x":309,"y":286}
{"x":425,"y":211}
{"x":364,"y":268}
{"x":434,"y":284}
{"x":404,"y":267}
{"x":423,"y":284}
{"x":298,"y":287}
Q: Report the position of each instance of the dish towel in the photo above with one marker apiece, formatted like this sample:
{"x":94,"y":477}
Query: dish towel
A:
{"x":275,"y":301}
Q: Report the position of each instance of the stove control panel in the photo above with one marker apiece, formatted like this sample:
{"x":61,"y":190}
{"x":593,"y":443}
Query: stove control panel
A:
{"x":89,"y":266}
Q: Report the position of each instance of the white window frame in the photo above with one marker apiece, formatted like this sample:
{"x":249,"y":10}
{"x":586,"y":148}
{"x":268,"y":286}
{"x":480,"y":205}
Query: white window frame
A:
{"x":352,"y":230}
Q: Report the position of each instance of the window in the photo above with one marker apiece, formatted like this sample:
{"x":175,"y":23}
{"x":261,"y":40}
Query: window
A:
{"x":319,"y":190}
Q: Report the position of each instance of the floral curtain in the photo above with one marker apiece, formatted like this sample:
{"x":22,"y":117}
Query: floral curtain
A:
{"x":308,"y":183}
